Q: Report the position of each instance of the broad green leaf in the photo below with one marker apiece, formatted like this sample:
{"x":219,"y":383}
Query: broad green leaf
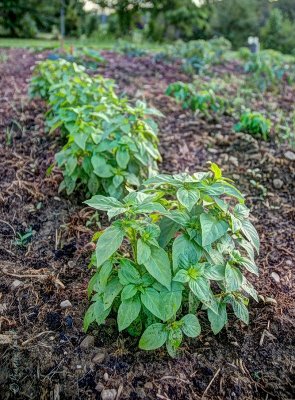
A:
{"x":181,"y":276}
{"x":241,"y":211}
{"x":213,"y":256}
{"x":248,"y":247}
{"x":201,"y":288}
{"x":158,"y":265}
{"x":168,"y":230}
{"x":105,"y":272}
{"x":153,"y":337}
{"x":100,"y":312}
{"x":251,"y":234}
{"x":236,"y":223}
{"x":88,"y":317}
{"x":108,"y":243}
{"x":103,"y":203}
{"x":218,"y":321}
{"x":191,"y":326}
{"x":128,"y":292}
{"x":152,"y":301}
{"x":122,"y":157}
{"x":93,"y":184}
{"x":180,"y":217}
{"x":170,"y":301}
{"x":128,"y":311}
{"x":249,"y":265}
{"x":226,"y":244}
{"x":159,"y":180}
{"x":212,"y":229}
{"x":233,"y":278}
{"x":101,"y":167}
{"x":80,"y":139}
{"x":112,"y":290}
{"x":118,"y":180}
{"x":143,"y":251}
{"x":71,"y":164}
{"x":240,"y":310}
{"x":182,"y":245}
{"x":150,"y":208}
{"x":215,"y":272}
{"x":128,"y":273}
{"x":174,"y":341}
{"x":188,"y":197}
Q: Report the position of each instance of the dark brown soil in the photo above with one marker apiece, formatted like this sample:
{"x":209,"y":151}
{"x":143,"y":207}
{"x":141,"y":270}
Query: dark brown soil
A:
{"x":42,"y":357}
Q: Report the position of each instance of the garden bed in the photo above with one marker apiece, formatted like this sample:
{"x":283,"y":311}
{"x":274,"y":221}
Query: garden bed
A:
{"x":41,"y":352}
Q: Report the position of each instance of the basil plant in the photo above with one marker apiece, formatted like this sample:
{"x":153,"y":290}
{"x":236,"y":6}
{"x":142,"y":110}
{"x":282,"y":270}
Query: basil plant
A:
{"x":179,"y":246}
{"x":110,"y":145}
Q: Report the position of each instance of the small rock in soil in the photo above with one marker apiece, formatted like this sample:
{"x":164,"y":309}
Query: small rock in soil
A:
{"x":289,"y":155}
{"x":99,"y":356}
{"x":108,"y":394}
{"x":106,"y":376}
{"x":87,"y":342}
{"x":99,"y":387}
{"x":65,"y":304}
{"x":16,"y":284}
{"x":233,"y":160}
{"x":270,"y":300}
{"x":275,"y":277}
{"x":277,"y":183}
{"x":5,"y":339}
{"x":148,"y":385}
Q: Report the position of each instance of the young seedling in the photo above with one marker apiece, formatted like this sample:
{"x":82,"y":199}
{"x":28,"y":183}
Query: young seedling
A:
{"x":255,"y":124}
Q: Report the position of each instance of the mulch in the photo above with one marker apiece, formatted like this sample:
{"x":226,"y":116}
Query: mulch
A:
{"x":40,"y":342}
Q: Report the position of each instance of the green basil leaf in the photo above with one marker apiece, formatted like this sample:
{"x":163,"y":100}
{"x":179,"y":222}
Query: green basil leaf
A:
{"x":128,"y":292}
{"x":152,"y":301}
{"x":181,"y":276}
{"x":188,"y":197}
{"x":128,"y":273}
{"x":251,"y":234}
{"x":101,"y":167}
{"x":240,"y":310}
{"x":158,"y":265}
{"x":122,"y":157}
{"x":218,"y":321}
{"x":108,"y":243}
{"x":233,"y":278}
{"x":153,"y":337}
{"x":143,"y":251}
{"x":191,"y":326}
{"x":105,"y":272}
{"x":182,"y":245}
{"x":112,"y":290}
{"x":128,"y":311}
{"x":212,"y":229}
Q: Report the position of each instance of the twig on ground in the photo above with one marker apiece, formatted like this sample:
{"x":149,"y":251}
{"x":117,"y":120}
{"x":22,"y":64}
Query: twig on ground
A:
{"x":210,"y":383}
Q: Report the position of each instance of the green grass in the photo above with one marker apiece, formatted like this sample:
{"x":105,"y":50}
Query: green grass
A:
{"x":51,"y":44}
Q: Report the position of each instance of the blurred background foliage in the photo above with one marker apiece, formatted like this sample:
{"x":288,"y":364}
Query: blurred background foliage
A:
{"x":154,"y":20}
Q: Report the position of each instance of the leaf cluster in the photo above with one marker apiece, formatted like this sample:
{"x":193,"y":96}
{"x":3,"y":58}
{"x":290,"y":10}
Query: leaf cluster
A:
{"x":110,"y":144}
{"x":199,"y":55}
{"x":255,"y":124}
{"x":268,"y":68}
{"x":178,"y":246}
{"x":205,"y":101}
